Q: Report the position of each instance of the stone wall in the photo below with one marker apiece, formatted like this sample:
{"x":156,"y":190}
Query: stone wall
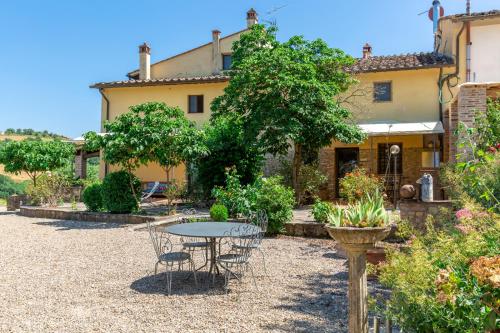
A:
{"x":416,"y":212}
{"x":70,"y":215}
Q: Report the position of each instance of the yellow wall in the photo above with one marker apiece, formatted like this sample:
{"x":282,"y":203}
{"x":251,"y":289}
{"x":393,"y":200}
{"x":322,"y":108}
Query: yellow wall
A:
{"x":173,"y":95}
{"x":414,"y":97}
{"x":192,"y":63}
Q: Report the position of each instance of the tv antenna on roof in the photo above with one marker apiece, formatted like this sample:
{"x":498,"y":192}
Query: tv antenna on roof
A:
{"x":272,"y":21}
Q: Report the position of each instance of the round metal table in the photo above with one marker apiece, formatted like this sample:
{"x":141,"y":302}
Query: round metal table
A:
{"x":212,"y":231}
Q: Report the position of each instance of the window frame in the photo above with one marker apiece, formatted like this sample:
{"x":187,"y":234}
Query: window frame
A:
{"x":225,"y":55}
{"x":375,"y":94}
{"x":199,"y":105}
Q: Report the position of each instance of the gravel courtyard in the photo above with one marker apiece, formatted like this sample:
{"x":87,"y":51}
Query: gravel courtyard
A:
{"x":64,"y":276}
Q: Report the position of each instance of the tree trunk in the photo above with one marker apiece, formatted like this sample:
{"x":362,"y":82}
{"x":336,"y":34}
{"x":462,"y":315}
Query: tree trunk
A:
{"x":297,"y":163}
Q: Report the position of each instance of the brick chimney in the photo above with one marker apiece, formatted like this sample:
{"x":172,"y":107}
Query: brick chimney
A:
{"x":144,"y":62}
{"x":216,"y":53}
{"x":367,"y":51}
{"x":252,"y":18}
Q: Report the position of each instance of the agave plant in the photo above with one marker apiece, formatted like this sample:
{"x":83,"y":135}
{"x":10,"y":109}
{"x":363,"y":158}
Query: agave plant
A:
{"x":368,"y":212}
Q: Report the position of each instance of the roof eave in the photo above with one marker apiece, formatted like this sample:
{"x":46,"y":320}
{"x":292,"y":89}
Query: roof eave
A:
{"x":401,"y":69}
{"x":156,"y":83}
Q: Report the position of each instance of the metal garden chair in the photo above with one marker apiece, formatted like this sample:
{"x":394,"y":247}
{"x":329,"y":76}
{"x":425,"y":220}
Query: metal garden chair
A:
{"x":237,"y":260}
{"x":164,"y":249}
{"x":260,"y":220}
{"x":192,"y":244}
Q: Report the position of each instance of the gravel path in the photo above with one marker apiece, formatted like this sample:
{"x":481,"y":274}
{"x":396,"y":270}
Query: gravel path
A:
{"x":64,"y":276}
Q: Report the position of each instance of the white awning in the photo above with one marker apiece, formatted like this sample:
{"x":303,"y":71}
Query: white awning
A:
{"x":433,"y":127}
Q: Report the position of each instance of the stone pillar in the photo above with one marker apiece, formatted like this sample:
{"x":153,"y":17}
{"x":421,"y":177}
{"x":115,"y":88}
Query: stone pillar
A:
{"x":358,"y":290}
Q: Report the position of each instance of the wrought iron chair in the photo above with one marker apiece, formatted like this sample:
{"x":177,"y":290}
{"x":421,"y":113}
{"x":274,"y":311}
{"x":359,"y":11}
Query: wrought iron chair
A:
{"x":237,"y":260}
{"x":192,"y":244}
{"x":260,"y":220}
{"x":164,"y":249}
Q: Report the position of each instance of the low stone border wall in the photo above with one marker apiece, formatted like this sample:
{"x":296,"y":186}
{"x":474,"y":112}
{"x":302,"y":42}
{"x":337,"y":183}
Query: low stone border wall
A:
{"x":58,"y":214}
{"x":416,"y":212}
{"x":306,"y":229}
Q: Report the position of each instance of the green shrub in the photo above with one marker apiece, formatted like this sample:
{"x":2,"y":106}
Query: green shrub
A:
{"x":322,"y":211}
{"x":443,"y":281}
{"x":92,"y":197}
{"x":228,"y":147}
{"x":117,"y":195}
{"x":268,"y":194}
{"x":9,"y":187}
{"x":239,"y":199}
{"x":310,"y":181}
{"x":357,"y":184}
{"x":276,"y":200}
{"x":218,"y":213}
{"x":50,"y":190}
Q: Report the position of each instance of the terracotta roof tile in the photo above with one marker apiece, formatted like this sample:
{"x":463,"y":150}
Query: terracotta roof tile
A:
{"x":165,"y":81}
{"x":473,"y":16}
{"x":401,"y":62}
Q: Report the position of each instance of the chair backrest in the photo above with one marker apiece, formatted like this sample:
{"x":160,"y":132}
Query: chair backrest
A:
{"x":243,"y":237}
{"x":259,"y":219}
{"x":160,"y":240}
{"x":148,"y":194}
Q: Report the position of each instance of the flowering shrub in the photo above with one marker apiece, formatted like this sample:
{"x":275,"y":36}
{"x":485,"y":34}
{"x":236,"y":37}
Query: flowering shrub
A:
{"x":357,"y":184}
{"x":446,"y":280}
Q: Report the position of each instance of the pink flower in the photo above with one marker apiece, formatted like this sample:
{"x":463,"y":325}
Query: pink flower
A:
{"x":463,"y":213}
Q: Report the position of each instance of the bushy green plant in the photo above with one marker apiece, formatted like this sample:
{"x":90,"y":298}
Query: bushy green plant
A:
{"x":277,"y":201}
{"x":322,"y":210}
{"x":9,"y":187}
{"x":267,"y":194}
{"x":228,"y":148}
{"x":92,"y":197}
{"x":357,"y":184}
{"x":50,"y":190}
{"x":444,"y":281}
{"x":174,"y":191}
{"x":218,"y":212}
{"x":117,"y":194}
{"x":368,"y":212}
{"x":239,"y":199}
{"x":310,"y":181}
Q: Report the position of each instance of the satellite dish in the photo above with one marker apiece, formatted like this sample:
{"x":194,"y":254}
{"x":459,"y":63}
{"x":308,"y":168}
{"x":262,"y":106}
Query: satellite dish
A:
{"x":431,"y":13}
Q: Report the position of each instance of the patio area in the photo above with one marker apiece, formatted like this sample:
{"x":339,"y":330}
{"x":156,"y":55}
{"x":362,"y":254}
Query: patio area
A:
{"x":86,"y":276}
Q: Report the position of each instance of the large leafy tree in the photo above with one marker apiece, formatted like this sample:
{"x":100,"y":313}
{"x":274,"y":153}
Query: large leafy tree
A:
{"x":35,"y":157}
{"x":285,"y":94}
{"x":228,"y":148}
{"x":149,"y":132}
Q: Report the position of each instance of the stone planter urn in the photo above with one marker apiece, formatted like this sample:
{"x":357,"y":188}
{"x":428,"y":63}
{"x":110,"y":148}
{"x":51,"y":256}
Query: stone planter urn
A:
{"x":356,"y":241}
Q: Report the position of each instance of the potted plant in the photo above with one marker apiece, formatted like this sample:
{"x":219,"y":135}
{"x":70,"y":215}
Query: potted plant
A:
{"x":357,"y":229}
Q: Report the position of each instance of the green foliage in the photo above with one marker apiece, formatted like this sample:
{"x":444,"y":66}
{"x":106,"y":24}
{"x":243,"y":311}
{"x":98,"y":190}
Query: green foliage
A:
{"x":92,"y":170}
{"x":267,"y":194}
{"x":285,"y":94}
{"x":227,"y":148}
{"x":310,"y":180}
{"x":277,"y":201}
{"x":9,"y":187}
{"x":218,"y":212}
{"x":487,"y":124}
{"x":322,"y":211}
{"x":149,"y":132}
{"x":368,"y":212}
{"x":173,"y":191}
{"x":32,"y":132}
{"x":35,"y":156}
{"x":92,"y":197}
{"x":433,"y":286}
{"x":357,"y":184}
{"x":117,"y":194}
{"x":239,"y":199}
{"x":50,"y":190}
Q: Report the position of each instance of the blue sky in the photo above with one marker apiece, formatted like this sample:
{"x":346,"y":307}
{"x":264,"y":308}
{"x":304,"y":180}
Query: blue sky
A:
{"x":52,"y":50}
